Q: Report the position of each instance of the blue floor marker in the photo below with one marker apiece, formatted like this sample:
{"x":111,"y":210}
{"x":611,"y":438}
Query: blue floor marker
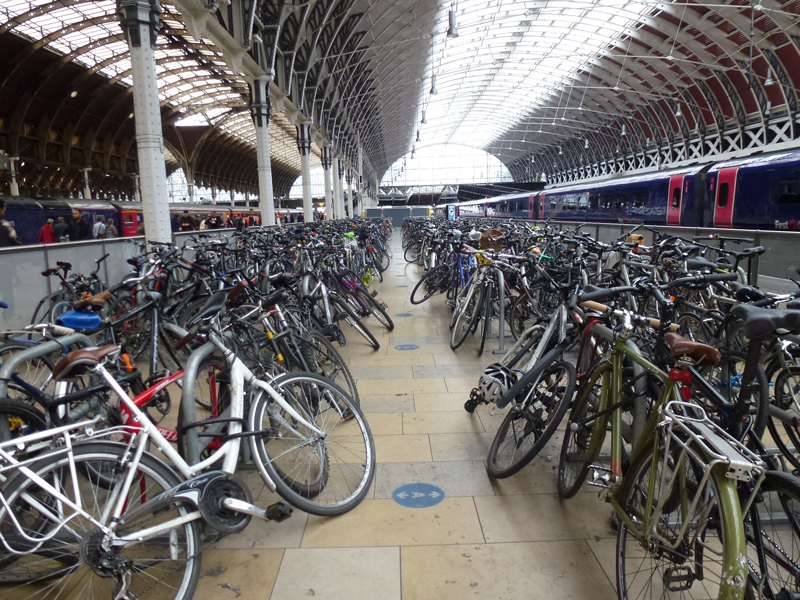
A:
{"x":406,"y":347}
{"x":404,"y":315}
{"x":401,"y":286}
{"x":418,"y":495}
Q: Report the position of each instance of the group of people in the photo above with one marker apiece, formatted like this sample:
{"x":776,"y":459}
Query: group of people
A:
{"x":215,"y":221}
{"x":76,"y":230}
{"x":62,"y":230}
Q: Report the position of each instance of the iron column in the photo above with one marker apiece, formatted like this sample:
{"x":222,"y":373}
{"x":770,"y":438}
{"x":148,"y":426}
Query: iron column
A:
{"x":261,"y":111}
{"x":326,"y":171}
{"x":140,"y":22}
{"x":304,"y":147}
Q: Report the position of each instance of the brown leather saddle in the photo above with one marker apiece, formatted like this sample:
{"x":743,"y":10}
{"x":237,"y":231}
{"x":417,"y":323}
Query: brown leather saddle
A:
{"x":79,"y":362}
{"x":95,"y":301}
{"x":703,"y":355}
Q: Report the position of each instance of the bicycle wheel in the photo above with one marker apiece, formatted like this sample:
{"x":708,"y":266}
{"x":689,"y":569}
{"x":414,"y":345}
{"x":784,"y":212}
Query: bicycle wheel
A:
{"x":68,"y":566}
{"x":19,"y":418}
{"x":324,"y":475}
{"x":374,"y":307}
{"x":532,"y":420}
{"x":326,"y":361}
{"x":354,"y":321}
{"x":692,"y":327}
{"x":783,"y":428}
{"x":411,"y":255}
{"x":488,"y":301}
{"x":36,"y":373}
{"x":670,"y":562}
{"x":467,"y":316}
{"x":774,"y":553}
{"x":584,"y":435}
{"x":432,"y":283}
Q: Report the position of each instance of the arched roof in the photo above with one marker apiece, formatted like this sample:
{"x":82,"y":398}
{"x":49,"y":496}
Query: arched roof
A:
{"x":571,"y":88}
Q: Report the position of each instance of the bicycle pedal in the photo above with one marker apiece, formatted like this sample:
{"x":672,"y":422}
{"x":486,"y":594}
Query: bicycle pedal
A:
{"x":679,"y":579}
{"x":373,"y":293}
{"x":279,"y":512}
{"x":601,"y":477}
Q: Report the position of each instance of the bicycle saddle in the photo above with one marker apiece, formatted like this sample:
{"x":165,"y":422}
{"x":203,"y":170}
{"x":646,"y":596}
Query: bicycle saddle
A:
{"x":761,"y":323}
{"x":79,"y":362}
{"x":211,"y":308}
{"x":695,"y":264}
{"x":92,"y":301}
{"x":702,"y":354}
{"x":746,"y":293}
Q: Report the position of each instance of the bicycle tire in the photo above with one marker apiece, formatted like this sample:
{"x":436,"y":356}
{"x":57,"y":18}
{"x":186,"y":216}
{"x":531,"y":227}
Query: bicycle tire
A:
{"x":154,"y":477}
{"x":19,"y":418}
{"x":777,"y":547}
{"x":430,"y":284}
{"x":355,"y":322}
{"x":330,"y":364}
{"x":541,"y":423}
{"x":581,"y":445}
{"x":375,"y":308}
{"x":719,"y":531}
{"x":340,"y":473}
{"x":786,"y":395}
{"x":466,"y":317}
{"x":487,"y":315}
{"x":411,"y":254}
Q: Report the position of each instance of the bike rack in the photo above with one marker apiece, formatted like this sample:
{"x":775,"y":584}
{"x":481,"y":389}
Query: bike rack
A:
{"x":501,"y":334}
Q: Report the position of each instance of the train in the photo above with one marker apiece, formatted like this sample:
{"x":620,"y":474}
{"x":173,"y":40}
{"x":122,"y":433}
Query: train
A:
{"x":755,"y":192}
{"x":28,"y":215}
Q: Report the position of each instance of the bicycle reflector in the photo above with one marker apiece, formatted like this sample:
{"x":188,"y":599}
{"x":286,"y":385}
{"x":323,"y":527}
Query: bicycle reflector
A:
{"x":680,"y":376}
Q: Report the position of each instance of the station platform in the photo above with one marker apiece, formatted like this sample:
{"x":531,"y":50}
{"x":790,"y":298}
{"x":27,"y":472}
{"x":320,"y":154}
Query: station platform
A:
{"x":502,"y":540}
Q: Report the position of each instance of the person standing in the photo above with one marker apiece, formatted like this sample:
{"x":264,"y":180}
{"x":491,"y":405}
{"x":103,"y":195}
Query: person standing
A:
{"x":46,"y":235}
{"x":8,"y":236}
{"x":111,"y":229}
{"x":61,"y":230}
{"x":252,"y":219}
{"x":99,"y":229}
{"x":187,"y":222}
{"x":79,"y":229}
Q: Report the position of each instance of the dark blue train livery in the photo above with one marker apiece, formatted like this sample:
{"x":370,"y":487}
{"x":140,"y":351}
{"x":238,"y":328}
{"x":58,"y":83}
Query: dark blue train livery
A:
{"x":757,"y":192}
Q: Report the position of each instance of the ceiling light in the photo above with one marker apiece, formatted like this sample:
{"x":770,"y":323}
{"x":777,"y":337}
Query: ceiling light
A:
{"x":452,"y":32}
{"x":417,"y":134}
{"x":758,"y":6}
{"x":768,"y":108}
{"x":560,"y":151}
{"x":433,"y":85}
{"x":130,"y":116}
{"x":678,"y":112}
{"x":769,"y":80}
{"x":586,"y":143}
{"x":424,"y":120}
{"x":73,"y":94}
{"x":623,"y":130}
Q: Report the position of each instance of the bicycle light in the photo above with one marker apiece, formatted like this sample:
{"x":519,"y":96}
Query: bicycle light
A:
{"x":681,"y":376}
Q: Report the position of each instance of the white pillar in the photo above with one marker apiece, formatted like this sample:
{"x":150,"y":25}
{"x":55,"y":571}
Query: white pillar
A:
{"x":326,"y":172}
{"x":87,"y":192}
{"x":304,"y":146}
{"x":335,"y":188}
{"x":14,"y":185}
{"x":350,"y":202}
{"x":261,"y":110}
{"x":137,"y":194}
{"x":360,"y":180}
{"x":140,"y":20}
{"x":339,"y":173}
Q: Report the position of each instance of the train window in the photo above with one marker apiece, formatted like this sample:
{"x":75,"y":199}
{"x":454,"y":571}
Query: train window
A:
{"x":583,"y":203}
{"x":676,"y":198}
{"x":553,"y":203}
{"x":620,"y":201}
{"x":722,"y":198}
{"x":594,"y":202}
{"x":605,"y":201}
{"x":128,"y":220}
{"x":638,"y":200}
{"x":788,"y":192}
{"x":570,"y":203}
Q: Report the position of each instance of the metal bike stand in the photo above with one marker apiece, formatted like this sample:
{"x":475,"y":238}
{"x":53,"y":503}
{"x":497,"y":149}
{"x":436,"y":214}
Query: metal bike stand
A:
{"x":501,"y":348}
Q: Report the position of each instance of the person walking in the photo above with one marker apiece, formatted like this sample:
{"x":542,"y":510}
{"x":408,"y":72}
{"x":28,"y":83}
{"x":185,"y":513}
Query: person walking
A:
{"x":46,"y":235}
{"x":99,"y":229}
{"x":8,"y":235}
{"x":61,"y":230}
{"x":111,"y":229}
{"x":79,"y":229}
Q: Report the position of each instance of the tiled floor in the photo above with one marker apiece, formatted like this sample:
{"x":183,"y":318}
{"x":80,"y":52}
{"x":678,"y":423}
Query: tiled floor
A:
{"x":503,"y":540}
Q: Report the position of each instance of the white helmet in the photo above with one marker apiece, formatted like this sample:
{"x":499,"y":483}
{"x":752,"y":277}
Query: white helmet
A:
{"x":495,"y":381}
{"x":474,"y":235}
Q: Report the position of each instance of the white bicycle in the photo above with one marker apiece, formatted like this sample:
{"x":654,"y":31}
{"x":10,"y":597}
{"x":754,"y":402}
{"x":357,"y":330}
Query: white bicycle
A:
{"x":82,"y":516}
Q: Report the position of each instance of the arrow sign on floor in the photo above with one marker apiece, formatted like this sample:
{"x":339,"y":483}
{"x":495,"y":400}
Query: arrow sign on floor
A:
{"x":418,"y":495}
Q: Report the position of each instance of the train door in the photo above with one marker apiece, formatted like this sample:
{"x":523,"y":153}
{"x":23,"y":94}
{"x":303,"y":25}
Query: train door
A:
{"x":675,"y":200}
{"x":530,"y":207}
{"x":541,"y":207}
{"x":724,"y":200}
{"x":129,"y":223}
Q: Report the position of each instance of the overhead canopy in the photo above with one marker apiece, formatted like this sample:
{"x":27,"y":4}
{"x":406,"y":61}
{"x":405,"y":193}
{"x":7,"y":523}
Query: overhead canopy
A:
{"x":570,"y":88}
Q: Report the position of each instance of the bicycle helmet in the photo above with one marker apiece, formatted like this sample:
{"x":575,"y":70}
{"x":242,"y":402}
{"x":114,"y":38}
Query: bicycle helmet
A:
{"x":474,"y":235}
{"x":495,"y":381}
